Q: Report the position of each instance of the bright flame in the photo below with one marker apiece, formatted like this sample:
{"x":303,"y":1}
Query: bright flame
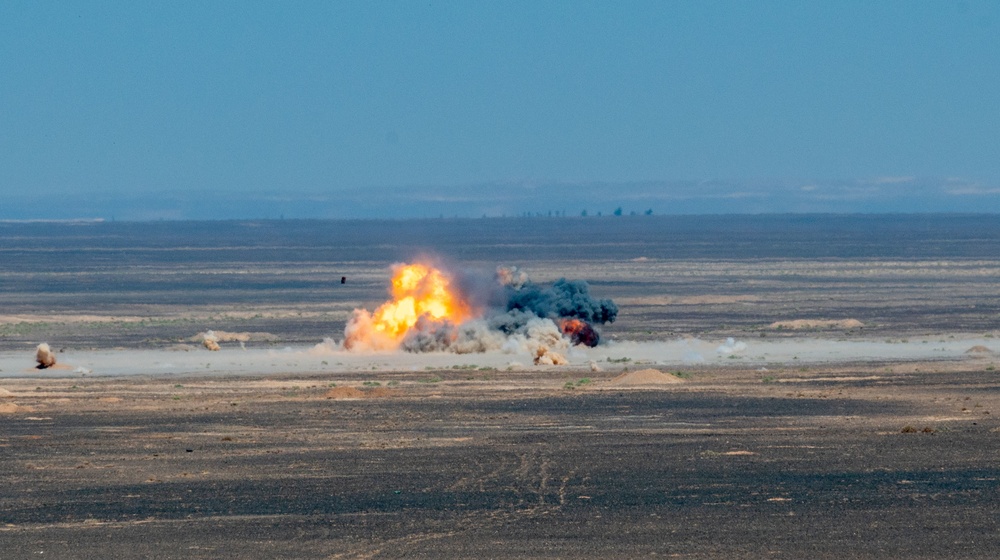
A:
{"x":418,"y":290}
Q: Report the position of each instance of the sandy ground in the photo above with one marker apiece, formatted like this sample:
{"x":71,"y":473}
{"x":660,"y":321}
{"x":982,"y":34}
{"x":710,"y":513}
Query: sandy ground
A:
{"x":868,"y":459}
{"x":847,"y":416}
{"x":233,"y":359}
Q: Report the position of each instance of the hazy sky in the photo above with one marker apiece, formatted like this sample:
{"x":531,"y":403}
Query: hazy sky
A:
{"x":193,"y":98}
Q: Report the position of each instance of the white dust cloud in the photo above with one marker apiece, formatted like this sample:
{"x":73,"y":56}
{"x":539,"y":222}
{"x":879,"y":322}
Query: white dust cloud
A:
{"x":731,"y":347}
{"x":44,"y":356}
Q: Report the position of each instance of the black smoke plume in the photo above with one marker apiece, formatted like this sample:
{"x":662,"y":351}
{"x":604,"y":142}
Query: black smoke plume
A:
{"x":564,"y":299}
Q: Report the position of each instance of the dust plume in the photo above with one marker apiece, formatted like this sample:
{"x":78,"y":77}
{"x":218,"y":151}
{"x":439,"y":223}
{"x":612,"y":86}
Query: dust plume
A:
{"x":210,"y":339}
{"x":44,"y":356}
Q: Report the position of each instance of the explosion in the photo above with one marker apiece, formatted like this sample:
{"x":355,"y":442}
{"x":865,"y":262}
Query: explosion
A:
{"x":579,"y":332}
{"x":421,"y":293}
{"x":435,"y":310}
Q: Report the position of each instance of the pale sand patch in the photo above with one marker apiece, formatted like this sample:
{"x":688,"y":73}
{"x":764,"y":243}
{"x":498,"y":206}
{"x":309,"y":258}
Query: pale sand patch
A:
{"x":817,"y":324}
{"x":686,"y":300}
{"x":11,"y":408}
{"x":645,"y":377}
{"x":4,"y":393}
{"x":664,"y":355}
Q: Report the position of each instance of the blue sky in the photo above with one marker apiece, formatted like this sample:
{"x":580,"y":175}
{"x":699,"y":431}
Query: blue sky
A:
{"x":394,"y":102}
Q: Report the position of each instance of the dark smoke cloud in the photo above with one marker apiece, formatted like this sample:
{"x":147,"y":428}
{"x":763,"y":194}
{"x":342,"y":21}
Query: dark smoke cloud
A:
{"x":564,"y":299}
{"x":511,"y":322}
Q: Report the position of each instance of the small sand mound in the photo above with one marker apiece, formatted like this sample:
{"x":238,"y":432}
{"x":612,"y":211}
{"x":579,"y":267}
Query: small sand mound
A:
{"x":4,"y":393}
{"x":11,"y":408}
{"x":817,"y":324}
{"x":979,"y":349}
{"x":645,"y":377}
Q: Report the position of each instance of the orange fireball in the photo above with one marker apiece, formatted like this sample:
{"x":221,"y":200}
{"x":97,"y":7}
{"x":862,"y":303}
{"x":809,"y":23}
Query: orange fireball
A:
{"x":418,"y":290}
{"x":579,"y":332}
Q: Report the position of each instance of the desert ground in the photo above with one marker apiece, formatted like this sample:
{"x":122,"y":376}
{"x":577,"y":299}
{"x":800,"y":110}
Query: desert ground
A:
{"x":788,"y":388}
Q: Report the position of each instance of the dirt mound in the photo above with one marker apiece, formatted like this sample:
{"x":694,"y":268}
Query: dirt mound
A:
{"x":4,"y":393}
{"x":11,"y":408}
{"x":979,"y":349}
{"x":645,"y":377}
{"x":817,"y":324}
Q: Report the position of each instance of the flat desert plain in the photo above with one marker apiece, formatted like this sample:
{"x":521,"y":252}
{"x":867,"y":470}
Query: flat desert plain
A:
{"x":786,"y":387}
